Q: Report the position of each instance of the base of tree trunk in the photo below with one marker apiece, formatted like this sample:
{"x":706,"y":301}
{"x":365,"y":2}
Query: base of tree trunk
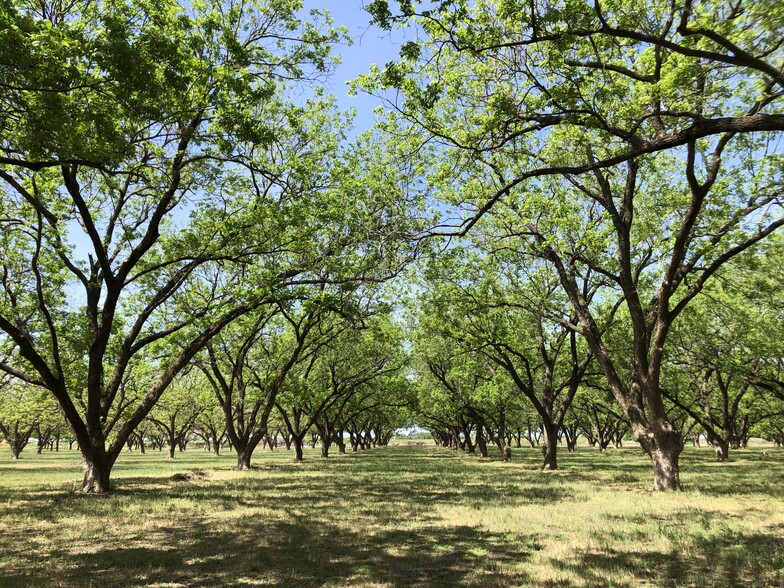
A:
{"x":722,"y":451}
{"x":243,"y":463}
{"x":666,"y":469}
{"x":96,"y":478}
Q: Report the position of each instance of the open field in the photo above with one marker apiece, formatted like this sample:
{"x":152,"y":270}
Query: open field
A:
{"x":398,"y":516}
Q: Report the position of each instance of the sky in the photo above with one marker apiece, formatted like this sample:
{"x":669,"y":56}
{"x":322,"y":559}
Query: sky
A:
{"x":370,"y":45}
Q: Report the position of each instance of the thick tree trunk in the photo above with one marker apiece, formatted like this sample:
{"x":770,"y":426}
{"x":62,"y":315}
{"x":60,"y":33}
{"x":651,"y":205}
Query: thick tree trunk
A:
{"x":340,"y":442}
{"x":722,"y":449}
{"x":298,"y":443}
{"x":664,"y":448}
{"x":550,"y":447}
{"x":97,"y":468}
{"x":243,"y":460}
{"x":481,"y":442}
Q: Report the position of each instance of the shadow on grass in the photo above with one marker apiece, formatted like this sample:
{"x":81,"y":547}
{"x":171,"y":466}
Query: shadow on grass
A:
{"x":725,"y":560}
{"x":298,"y":553}
{"x":368,"y":519}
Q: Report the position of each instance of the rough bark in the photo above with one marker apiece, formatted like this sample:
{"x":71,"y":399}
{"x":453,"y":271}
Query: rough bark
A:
{"x":243,"y":460}
{"x":298,"y":443}
{"x":97,"y":467}
{"x":664,"y":448}
{"x":550,"y":447}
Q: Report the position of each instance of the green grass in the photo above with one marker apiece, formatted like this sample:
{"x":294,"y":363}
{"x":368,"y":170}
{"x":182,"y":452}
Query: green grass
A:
{"x":408,"y":516}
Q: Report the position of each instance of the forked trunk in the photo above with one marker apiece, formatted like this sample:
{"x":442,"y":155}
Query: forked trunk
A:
{"x":341,"y":443}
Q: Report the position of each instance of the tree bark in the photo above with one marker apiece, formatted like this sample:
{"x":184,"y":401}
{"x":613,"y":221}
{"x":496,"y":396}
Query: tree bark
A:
{"x":722,"y":449}
{"x":298,"y":442}
{"x":96,"y":466}
{"x":481,"y":442}
{"x":664,"y":448}
{"x":243,"y":460}
{"x":550,"y":447}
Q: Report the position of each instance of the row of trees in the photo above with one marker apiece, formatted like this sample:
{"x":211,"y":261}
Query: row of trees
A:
{"x":307,"y":369}
{"x":178,"y":196}
{"x":622,"y":153}
{"x":165,"y":174}
{"x":493,"y":362}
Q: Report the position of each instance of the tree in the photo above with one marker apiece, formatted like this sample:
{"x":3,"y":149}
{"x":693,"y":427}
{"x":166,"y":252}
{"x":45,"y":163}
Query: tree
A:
{"x":210,"y":425}
{"x":22,"y":409}
{"x":249,"y":364}
{"x":176,"y":411}
{"x":162,"y":175}
{"x":483,"y":306}
{"x":722,"y":346}
{"x":122,"y":118}
{"x":358,"y":374}
{"x":629,"y":145}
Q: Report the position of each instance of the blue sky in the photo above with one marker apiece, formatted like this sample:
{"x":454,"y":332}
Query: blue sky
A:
{"x":370,"y":45}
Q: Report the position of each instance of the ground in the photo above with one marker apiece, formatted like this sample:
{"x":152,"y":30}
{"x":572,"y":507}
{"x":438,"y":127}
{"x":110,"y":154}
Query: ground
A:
{"x":402,"y":516}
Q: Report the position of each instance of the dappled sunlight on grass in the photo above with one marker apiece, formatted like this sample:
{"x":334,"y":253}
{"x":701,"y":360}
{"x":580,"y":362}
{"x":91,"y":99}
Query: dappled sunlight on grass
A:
{"x":398,"y":516}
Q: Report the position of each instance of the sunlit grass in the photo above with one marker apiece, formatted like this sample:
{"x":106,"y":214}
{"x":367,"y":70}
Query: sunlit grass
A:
{"x":398,"y":516}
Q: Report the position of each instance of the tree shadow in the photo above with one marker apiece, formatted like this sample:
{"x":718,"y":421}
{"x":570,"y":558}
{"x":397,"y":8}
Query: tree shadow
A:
{"x":297,"y":552}
{"x":366,"y":519}
{"x":704,"y":551}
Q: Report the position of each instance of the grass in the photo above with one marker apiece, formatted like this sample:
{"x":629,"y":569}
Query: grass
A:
{"x":406,"y":516}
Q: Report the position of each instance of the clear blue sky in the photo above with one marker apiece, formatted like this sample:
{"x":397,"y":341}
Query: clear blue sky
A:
{"x":370,"y":45}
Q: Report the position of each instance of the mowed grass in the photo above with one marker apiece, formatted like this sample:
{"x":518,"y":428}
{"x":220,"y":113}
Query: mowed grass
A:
{"x":403,"y":516}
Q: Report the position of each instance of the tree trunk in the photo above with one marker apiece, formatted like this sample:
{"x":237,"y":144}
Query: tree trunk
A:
{"x":550,"y":447}
{"x":340,"y":441}
{"x":298,"y":449}
{"x":481,"y":442}
{"x":664,"y":448}
{"x":243,"y":460}
{"x":96,"y":467}
{"x":722,"y":449}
